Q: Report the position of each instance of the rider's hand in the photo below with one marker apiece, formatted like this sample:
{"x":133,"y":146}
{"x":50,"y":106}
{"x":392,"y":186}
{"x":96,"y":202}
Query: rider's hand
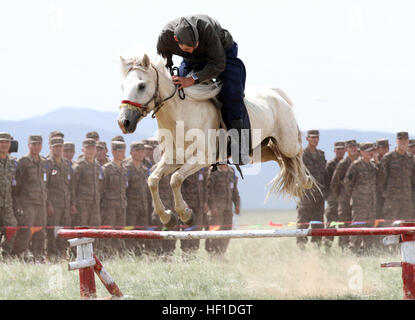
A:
{"x":183,"y":82}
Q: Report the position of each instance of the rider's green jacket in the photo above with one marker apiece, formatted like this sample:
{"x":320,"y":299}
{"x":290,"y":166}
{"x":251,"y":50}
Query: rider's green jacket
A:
{"x":214,"y":41}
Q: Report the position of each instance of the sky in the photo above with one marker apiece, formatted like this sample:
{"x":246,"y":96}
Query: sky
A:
{"x":345,"y":64}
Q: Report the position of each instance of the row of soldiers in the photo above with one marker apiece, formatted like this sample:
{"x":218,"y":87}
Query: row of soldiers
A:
{"x":370,"y":187}
{"x":38,"y":192}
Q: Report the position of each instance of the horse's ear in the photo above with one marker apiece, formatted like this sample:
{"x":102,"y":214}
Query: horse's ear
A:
{"x":125,"y":65}
{"x":145,"y":61}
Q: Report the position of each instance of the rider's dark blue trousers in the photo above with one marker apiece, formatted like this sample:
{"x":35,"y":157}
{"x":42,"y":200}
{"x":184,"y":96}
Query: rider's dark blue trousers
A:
{"x":233,"y":84}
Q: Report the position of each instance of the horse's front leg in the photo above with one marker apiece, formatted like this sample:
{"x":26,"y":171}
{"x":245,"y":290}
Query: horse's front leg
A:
{"x":185,"y":213}
{"x":161,"y":170}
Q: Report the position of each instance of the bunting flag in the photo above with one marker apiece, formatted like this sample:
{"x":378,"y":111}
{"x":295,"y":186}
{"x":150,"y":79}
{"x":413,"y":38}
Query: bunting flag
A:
{"x":105,"y":227}
{"x":33,"y":230}
{"x":214,"y":228}
{"x":279,"y":225}
{"x":356,"y":223}
{"x":316,"y":222}
{"x":334,"y":224}
{"x":377,"y":222}
{"x":10,"y":232}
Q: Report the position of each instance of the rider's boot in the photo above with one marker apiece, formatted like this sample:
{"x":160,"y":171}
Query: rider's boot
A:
{"x":239,"y":146}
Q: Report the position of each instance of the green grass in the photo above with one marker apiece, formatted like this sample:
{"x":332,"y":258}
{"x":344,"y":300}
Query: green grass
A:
{"x":254,"y":269}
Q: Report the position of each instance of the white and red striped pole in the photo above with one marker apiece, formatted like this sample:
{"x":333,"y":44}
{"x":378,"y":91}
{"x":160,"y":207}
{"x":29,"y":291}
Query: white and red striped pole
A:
{"x":227,"y":234}
{"x":106,"y":279}
{"x":404,"y":234}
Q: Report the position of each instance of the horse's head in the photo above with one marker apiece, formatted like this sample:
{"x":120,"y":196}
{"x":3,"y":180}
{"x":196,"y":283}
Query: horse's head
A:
{"x":140,"y":91}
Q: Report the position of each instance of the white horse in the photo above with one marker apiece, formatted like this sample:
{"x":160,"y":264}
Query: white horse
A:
{"x":148,"y":87}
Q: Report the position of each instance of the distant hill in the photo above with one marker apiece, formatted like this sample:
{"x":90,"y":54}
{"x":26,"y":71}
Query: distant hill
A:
{"x":74,"y":123}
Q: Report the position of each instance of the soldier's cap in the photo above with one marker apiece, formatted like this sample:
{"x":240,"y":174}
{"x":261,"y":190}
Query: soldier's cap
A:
{"x":402,"y":135}
{"x":102,"y":144}
{"x":313,"y":133}
{"x":92,"y":135}
{"x":186,"y":33}
{"x":4,"y":136}
{"x":35,"y":139}
{"x":137,"y":146}
{"x":117,"y":145}
{"x":411,"y":142}
{"x":350,"y":143}
{"x":89,"y":142}
{"x":118,"y":138}
{"x":69,"y":146}
{"x":56,"y":133}
{"x":56,"y":141}
{"x":366,"y":146}
{"x":339,"y":145}
{"x":382,"y":143}
{"x":148,"y":146}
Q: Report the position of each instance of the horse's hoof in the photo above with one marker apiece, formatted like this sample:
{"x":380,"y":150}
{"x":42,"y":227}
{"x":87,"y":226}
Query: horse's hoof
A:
{"x":189,"y":222}
{"x":172,"y":222}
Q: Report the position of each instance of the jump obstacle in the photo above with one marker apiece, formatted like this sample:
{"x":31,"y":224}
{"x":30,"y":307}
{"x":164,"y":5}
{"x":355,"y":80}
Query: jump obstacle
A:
{"x":88,"y":264}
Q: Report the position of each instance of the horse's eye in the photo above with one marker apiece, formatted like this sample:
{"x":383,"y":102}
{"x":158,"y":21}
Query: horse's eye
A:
{"x":141,"y":86}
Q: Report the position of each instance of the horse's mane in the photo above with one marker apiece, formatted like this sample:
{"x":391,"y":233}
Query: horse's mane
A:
{"x":199,"y":92}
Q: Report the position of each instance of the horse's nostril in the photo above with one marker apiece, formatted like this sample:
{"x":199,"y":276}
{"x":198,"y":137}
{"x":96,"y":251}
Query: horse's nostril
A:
{"x":126,"y":123}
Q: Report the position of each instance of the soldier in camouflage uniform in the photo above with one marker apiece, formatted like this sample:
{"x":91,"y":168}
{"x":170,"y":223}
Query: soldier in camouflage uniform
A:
{"x":102,"y":151}
{"x":338,"y":190}
{"x":8,"y":167}
{"x":69,"y":151}
{"x":382,"y":148}
{"x":31,"y":196}
{"x":114,"y":199}
{"x":90,"y":135}
{"x":331,"y":211}
{"x":148,"y":157}
{"x":138,"y":196}
{"x":396,"y":177}
{"x":59,"y":197}
{"x":311,"y":205}
{"x":222,"y":193}
{"x":360,"y":186}
{"x":193,"y":195}
{"x":86,"y":188}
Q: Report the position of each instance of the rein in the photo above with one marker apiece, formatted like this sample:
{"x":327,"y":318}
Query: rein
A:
{"x":158,"y":101}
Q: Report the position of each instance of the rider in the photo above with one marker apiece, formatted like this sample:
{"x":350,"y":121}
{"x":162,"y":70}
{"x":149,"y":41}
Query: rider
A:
{"x":209,"y":51}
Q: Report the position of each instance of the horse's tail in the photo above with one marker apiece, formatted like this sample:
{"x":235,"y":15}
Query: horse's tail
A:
{"x":294,"y":179}
{"x":283,"y":94}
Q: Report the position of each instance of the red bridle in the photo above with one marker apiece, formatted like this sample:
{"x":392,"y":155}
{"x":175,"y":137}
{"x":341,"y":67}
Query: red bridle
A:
{"x":138,"y":105}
